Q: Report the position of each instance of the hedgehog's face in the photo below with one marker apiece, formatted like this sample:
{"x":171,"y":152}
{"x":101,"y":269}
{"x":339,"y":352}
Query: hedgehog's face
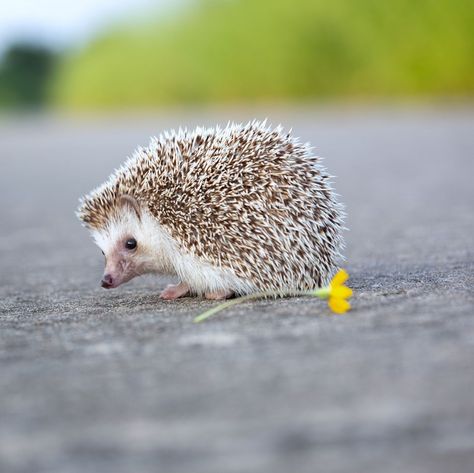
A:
{"x":122,"y":261}
{"x":124,"y":243}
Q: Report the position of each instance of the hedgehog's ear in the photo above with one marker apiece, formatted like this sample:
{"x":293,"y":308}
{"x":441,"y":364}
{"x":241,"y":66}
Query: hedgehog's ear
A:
{"x":130,"y":203}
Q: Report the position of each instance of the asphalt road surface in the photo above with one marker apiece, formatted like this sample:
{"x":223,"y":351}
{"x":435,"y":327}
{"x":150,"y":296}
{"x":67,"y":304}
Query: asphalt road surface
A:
{"x":118,"y":381}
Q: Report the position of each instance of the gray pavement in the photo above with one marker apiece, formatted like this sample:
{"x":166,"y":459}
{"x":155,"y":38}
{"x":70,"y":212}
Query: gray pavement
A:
{"x":119,"y":381}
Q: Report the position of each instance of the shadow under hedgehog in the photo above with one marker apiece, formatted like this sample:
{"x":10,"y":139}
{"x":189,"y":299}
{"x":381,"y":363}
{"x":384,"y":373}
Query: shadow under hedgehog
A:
{"x":231,"y":210}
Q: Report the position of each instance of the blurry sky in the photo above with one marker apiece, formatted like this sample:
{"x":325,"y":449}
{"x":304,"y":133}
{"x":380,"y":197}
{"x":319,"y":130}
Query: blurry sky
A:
{"x":62,"y":23}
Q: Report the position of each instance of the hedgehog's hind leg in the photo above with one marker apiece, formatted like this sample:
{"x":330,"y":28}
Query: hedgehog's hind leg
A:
{"x":174,"y":291}
{"x":219,"y":295}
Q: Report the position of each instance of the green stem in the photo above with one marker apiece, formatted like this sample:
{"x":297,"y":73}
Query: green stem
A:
{"x":322,"y":293}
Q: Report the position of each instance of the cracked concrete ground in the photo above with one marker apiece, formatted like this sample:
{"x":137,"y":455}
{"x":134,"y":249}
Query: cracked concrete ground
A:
{"x":119,"y":381}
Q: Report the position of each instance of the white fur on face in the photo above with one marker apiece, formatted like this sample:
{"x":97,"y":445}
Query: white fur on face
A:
{"x":126,"y":225}
{"x":148,"y":257}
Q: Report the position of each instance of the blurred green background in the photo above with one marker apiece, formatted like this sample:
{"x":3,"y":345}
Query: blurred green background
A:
{"x":218,"y":51}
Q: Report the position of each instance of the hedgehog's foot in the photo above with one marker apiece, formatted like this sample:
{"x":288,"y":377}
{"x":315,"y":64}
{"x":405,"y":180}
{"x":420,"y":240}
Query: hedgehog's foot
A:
{"x":218,"y":295}
{"x":174,"y":291}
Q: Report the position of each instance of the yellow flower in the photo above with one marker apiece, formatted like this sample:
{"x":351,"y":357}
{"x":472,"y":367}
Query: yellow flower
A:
{"x":339,"y":293}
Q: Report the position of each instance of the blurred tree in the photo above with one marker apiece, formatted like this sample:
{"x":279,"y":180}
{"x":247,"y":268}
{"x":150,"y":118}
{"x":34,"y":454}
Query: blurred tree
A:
{"x":24,"y":74}
{"x":267,"y":50}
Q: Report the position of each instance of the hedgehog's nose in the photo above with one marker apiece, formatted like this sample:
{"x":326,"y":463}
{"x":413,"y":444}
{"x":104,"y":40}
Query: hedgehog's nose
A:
{"x":107,"y":281}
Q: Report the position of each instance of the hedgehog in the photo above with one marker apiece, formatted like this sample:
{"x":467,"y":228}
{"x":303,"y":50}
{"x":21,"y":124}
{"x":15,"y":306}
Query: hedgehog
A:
{"x":228,"y":211}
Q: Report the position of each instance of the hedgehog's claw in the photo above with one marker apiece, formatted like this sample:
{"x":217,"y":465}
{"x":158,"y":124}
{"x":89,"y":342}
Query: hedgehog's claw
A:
{"x":174,"y":291}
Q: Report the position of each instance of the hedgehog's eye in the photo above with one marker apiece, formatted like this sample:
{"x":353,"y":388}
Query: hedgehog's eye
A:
{"x":131,"y":244}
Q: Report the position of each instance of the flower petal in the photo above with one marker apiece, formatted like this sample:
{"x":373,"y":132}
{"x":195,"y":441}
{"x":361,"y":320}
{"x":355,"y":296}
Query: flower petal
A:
{"x":339,"y":278}
{"x":341,"y":292}
{"x":339,"y":306}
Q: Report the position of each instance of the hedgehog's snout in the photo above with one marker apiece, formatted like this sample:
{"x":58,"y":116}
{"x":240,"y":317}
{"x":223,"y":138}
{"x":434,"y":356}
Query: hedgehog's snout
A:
{"x":107,"y":281}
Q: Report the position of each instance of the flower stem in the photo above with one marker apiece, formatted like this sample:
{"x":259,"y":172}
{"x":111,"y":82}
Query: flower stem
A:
{"x":322,"y":293}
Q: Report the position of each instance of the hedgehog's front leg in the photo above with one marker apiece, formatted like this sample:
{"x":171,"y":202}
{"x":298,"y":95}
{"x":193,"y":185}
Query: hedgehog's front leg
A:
{"x":174,"y":291}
